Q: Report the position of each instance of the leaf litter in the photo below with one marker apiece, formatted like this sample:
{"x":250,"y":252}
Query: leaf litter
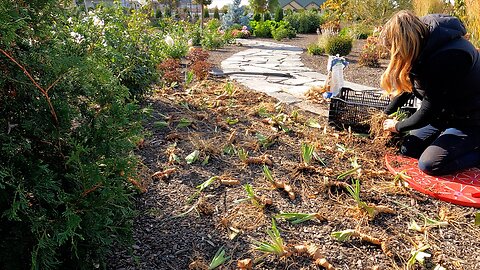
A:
{"x":305,"y":160}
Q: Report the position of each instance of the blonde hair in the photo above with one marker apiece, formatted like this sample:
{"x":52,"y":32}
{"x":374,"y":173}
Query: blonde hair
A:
{"x":404,"y":35}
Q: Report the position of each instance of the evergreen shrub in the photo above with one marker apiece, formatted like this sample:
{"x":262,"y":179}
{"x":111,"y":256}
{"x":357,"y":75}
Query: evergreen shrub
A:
{"x":278,"y":14}
{"x":304,"y":21}
{"x":216,"y":13}
{"x":267,"y":16}
{"x":234,"y":15}
{"x":67,"y":169}
{"x":338,"y":45}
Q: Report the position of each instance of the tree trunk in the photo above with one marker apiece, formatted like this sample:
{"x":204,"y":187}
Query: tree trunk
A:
{"x":201,"y":19}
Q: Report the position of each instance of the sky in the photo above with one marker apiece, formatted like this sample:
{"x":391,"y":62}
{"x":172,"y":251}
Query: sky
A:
{"x":221,"y":3}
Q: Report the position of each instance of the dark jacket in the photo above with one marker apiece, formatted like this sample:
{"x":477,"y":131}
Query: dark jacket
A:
{"x":446,"y":77}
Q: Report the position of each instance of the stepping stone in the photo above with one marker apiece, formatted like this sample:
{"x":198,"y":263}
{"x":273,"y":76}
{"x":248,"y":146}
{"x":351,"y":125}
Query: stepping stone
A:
{"x":268,"y":57}
{"x":285,"y":97}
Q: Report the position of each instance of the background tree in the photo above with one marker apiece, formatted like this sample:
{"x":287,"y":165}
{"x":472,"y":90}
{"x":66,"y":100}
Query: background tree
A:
{"x":225,"y":9}
{"x":335,"y":9}
{"x":234,"y":15}
{"x":279,"y":14}
{"x":185,"y":13}
{"x":273,"y":5}
{"x":176,"y":14}
{"x":258,"y":6}
{"x":371,"y":10}
{"x":424,"y":7}
{"x":206,"y":13}
{"x":216,"y":13}
{"x":170,"y":4}
{"x":202,"y":4}
{"x":473,"y":20}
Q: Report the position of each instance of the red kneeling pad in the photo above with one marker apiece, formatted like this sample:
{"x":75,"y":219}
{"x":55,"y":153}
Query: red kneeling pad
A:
{"x":461,"y":188}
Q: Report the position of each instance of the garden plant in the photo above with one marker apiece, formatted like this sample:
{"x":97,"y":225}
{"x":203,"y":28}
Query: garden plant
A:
{"x":119,"y":150}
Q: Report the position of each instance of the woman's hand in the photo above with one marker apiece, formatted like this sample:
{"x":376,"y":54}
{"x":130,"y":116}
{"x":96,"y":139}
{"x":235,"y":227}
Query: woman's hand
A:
{"x":389,"y":125}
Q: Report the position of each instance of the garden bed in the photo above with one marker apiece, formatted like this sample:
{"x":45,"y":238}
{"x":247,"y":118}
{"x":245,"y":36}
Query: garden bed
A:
{"x":219,"y":120}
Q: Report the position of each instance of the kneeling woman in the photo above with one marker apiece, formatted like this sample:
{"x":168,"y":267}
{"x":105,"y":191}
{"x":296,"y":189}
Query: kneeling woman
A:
{"x":431,"y":59}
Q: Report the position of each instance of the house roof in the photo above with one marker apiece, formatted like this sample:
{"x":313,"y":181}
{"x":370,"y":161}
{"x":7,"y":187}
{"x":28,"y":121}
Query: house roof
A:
{"x":303,"y":3}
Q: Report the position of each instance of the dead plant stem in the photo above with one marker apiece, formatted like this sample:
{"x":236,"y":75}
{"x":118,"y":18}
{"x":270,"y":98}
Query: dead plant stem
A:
{"x":43,"y":91}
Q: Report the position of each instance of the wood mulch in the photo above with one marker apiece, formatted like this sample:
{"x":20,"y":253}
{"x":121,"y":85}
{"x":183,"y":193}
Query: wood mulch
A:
{"x":209,"y":130}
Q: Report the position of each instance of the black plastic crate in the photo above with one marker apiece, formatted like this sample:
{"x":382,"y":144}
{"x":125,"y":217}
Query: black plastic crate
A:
{"x":353,"y":108}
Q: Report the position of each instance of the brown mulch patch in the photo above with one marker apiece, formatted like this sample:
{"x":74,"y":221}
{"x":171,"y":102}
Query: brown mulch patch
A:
{"x":171,"y":233}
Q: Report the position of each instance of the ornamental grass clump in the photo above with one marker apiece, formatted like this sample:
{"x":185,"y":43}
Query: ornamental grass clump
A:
{"x":315,"y":49}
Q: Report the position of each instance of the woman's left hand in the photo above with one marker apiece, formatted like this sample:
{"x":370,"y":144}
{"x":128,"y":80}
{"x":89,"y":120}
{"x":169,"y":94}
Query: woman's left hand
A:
{"x":389,"y":125}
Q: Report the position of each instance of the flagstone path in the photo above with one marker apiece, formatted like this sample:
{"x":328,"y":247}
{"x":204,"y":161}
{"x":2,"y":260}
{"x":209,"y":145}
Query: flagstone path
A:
{"x":268,"y":57}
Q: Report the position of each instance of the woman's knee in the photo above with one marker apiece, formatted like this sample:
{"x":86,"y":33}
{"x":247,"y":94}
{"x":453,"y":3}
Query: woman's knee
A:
{"x":434,"y":160}
{"x":429,"y":166}
{"x":418,"y":140}
{"x":412,"y":147}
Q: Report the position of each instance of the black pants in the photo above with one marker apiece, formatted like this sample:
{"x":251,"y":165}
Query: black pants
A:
{"x":442,"y":152}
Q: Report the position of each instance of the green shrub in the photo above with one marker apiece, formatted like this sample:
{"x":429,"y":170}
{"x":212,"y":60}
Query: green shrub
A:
{"x":236,"y":26}
{"x":211,"y":41}
{"x":279,"y":33}
{"x":212,"y":38}
{"x":176,"y":50}
{"x":257,"y":17}
{"x":168,"y":12}
{"x":315,"y":49}
{"x":158,"y":14}
{"x":338,"y":45}
{"x":262,"y":29}
{"x":305,"y":21}
{"x":281,"y":30}
{"x":181,"y":31}
{"x":126,"y":41}
{"x":267,"y":16}
{"x":66,"y":160}
{"x":357,"y":31}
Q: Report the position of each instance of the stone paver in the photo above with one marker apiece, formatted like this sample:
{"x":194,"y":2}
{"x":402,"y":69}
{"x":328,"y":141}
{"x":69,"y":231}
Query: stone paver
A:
{"x":270,"y":57}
